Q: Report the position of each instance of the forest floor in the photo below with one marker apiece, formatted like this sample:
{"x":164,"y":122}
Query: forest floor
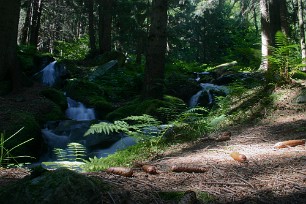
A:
{"x":270,"y":175}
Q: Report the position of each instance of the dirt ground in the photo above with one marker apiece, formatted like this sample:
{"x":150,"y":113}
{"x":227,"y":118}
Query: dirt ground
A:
{"x":270,"y":175}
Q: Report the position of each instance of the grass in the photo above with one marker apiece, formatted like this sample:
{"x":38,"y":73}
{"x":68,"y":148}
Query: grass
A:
{"x":6,"y":157}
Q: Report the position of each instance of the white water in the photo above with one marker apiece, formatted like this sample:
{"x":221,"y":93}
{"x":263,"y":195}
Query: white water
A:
{"x":78,"y":111}
{"x":49,"y":74}
{"x":207,"y":87}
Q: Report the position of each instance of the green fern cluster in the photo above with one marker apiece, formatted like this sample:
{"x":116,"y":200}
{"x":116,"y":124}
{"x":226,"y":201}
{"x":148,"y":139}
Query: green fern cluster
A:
{"x":132,"y":125}
{"x":74,"y":152}
{"x":285,"y":59}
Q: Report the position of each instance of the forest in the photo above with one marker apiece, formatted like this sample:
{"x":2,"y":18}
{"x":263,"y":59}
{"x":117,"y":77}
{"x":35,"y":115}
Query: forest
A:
{"x":152,"y":101}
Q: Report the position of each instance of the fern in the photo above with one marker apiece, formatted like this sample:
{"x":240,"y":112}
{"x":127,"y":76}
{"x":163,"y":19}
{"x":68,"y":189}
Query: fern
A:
{"x":285,"y":59}
{"x":74,"y":152}
{"x":104,"y":127}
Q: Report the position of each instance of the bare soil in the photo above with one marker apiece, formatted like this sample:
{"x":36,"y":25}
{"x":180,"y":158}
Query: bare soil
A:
{"x":270,"y":175}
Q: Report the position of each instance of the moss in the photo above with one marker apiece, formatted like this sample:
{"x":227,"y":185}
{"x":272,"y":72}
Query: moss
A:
{"x":31,"y":129}
{"x":101,"y":106}
{"x":80,"y":90}
{"x":164,"y":110}
{"x":48,"y":110}
{"x":56,"y":96}
{"x":59,"y":186}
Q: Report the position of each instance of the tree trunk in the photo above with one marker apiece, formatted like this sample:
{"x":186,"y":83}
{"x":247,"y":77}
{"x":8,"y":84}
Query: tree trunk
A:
{"x":302,"y":31}
{"x":105,"y":25}
{"x":35,"y":25}
{"x":156,"y":49}
{"x":265,"y":34}
{"x":275,"y":22}
{"x":27,"y":23}
{"x":91,"y":27}
{"x":9,"y":20}
{"x":283,"y":11}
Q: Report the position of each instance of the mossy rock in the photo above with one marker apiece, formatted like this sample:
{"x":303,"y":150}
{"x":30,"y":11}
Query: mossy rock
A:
{"x":91,"y":94}
{"x":47,"y":110}
{"x":108,"y":56}
{"x":101,"y":106}
{"x":56,"y":96}
{"x":59,"y":186}
{"x":164,"y":110}
{"x":80,"y":90}
{"x":31,"y":130}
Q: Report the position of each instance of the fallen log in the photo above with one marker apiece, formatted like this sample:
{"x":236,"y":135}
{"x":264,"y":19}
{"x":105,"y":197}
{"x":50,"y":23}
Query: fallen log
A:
{"x":188,"y":169}
{"x":289,"y":143}
{"x":122,"y":171}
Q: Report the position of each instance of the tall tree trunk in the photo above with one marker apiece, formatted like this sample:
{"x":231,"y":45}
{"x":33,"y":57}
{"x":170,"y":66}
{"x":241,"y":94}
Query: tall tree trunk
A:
{"x":283,"y":12}
{"x":265,"y":34}
{"x":156,"y":49}
{"x":91,"y":26}
{"x":9,"y":20}
{"x":35,"y":26}
{"x":302,"y":31}
{"x":27,"y":23}
{"x":105,"y":25}
{"x":275,"y":21}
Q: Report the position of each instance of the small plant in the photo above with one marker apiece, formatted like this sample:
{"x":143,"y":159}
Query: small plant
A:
{"x":74,"y":152}
{"x":6,"y":157}
{"x":285,"y":60}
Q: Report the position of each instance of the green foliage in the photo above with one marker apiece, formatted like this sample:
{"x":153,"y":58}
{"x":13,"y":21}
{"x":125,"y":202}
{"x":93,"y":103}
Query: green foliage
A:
{"x":74,"y":152}
{"x":56,"y":96}
{"x":6,"y":156}
{"x":284,"y":60}
{"x":163,"y":110}
{"x":132,"y":125}
{"x":75,"y":50}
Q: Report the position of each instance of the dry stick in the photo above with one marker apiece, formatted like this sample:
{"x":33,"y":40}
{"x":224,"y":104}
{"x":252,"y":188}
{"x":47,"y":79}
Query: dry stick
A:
{"x":224,"y":184}
{"x":241,"y":178}
{"x":217,"y":170}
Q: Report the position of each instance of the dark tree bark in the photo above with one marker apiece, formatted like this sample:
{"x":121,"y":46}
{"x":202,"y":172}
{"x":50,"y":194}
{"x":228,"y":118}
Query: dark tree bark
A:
{"x":105,"y":25}
{"x":9,"y":19}
{"x":27,"y":23}
{"x":35,"y":24}
{"x":283,"y":11}
{"x":91,"y":27}
{"x":156,"y":49}
{"x":275,"y":22}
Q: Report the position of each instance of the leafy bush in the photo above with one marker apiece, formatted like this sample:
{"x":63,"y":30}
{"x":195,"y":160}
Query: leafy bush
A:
{"x":76,"y":50}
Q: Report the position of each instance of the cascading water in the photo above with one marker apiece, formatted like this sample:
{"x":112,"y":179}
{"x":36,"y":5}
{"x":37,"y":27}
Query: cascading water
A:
{"x":49,"y":74}
{"x":206,"y":87}
{"x":78,"y":111}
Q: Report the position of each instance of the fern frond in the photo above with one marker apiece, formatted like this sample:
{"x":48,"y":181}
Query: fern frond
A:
{"x":103,"y":127}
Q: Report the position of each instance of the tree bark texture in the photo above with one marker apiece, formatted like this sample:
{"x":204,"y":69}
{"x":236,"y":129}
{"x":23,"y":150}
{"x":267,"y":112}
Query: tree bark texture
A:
{"x":105,"y":25}
{"x":9,"y":19}
{"x":302,"y":30}
{"x":91,"y":27}
{"x":156,"y":49}
{"x":265,"y":33}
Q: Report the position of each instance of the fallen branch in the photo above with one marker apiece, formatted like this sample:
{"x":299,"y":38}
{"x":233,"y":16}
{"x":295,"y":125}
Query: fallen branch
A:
{"x":289,"y":143}
{"x":122,"y":171}
{"x":188,"y":169}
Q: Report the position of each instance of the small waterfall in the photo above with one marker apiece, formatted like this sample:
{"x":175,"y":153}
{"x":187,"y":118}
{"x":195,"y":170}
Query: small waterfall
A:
{"x":49,"y":74}
{"x":78,"y":111}
{"x":206,"y":87}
